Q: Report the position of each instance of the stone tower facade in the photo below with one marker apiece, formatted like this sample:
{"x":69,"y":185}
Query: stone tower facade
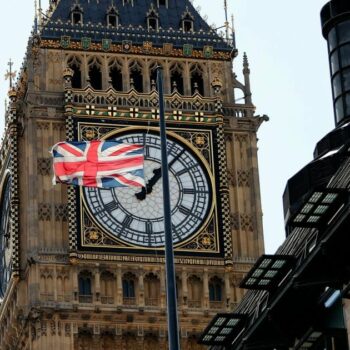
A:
{"x":83,"y":269}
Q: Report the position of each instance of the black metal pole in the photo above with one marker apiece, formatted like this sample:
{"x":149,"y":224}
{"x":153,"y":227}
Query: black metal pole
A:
{"x":173,"y":327}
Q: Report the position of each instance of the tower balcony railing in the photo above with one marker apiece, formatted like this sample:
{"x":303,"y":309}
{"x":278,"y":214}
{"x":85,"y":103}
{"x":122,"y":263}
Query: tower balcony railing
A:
{"x":151,"y":301}
{"x":133,"y":99}
{"x":194,"y":304}
{"x":216,"y":305}
{"x":238,"y":110}
{"x":107,"y":300}
{"x":129,"y":301}
{"x":85,"y":299}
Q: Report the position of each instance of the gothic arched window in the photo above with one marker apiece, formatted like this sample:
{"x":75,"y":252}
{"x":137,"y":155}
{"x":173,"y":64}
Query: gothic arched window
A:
{"x":187,"y":22}
{"x":84,"y":284}
{"x":215,"y":289}
{"x":136,"y":78}
{"x":176,"y":77}
{"x":153,"y":74}
{"x":152,"y":19}
{"x":129,"y":288}
{"x":75,"y":64}
{"x":197,"y":83}
{"x":152,"y":290}
{"x":95,"y":74}
{"x":107,"y":288}
{"x":112,"y":17}
{"x":77,"y":15}
{"x":116,"y":75}
{"x":195,"y":294}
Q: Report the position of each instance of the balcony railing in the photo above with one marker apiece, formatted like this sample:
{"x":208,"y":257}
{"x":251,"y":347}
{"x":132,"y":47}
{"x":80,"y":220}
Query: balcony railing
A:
{"x":64,"y":297}
{"x":107,"y":300}
{"x":86,"y":299}
{"x":47,"y":296}
{"x":129,"y":301}
{"x":151,"y":301}
{"x":195,"y":304}
{"x":216,"y":304}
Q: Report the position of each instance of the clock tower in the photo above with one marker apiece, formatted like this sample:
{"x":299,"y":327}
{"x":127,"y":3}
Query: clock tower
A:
{"x":84,"y":268}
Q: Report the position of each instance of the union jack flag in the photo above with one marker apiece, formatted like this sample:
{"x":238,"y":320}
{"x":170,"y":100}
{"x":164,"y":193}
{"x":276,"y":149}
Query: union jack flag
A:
{"x":103,"y":164}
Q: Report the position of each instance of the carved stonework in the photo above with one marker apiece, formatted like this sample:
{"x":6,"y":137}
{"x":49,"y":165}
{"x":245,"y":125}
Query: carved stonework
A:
{"x":44,"y":166}
{"x":243,"y":177}
{"x":61,"y":212}
{"x":241,"y":221}
{"x":44,"y":211}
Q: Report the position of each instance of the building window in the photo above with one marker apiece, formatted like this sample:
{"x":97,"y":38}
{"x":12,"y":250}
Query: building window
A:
{"x":152,"y":290}
{"x":152,"y":23}
{"x":85,"y":292}
{"x":112,"y":17}
{"x":116,"y":75}
{"x":136,"y":78}
{"x":95,"y":74}
{"x":187,"y":22}
{"x":77,"y":15}
{"x":197,"y":83}
{"x":195,"y":294}
{"x":107,"y":288}
{"x":215,"y":289}
{"x":75,"y":64}
{"x":152,"y":18}
{"x":129,"y":289}
{"x":112,"y":21}
{"x":187,"y":26}
{"x":176,"y":77}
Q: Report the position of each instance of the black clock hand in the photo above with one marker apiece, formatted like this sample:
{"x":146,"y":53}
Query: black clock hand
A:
{"x":154,"y":179}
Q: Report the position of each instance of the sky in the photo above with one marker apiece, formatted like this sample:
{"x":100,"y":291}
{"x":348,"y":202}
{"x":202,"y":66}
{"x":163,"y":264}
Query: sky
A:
{"x":289,"y":78}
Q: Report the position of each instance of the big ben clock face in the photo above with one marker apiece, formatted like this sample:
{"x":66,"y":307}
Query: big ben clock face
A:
{"x":5,"y":239}
{"x":135,"y":215}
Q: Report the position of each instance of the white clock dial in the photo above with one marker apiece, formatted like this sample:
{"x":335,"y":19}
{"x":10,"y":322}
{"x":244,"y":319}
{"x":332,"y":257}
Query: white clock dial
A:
{"x":135,"y":215}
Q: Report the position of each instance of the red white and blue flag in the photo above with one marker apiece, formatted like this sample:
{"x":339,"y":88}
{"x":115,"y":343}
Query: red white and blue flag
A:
{"x":102,"y":164}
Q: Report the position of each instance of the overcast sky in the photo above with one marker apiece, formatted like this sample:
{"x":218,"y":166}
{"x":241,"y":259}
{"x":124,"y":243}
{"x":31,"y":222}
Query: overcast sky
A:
{"x":289,"y":73}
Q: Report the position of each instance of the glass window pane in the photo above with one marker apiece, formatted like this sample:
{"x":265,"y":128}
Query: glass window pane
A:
{"x":345,"y":55}
{"x":335,"y":62}
{"x":339,"y":110}
{"x":347,"y":103}
{"x":344,"y":32}
{"x":337,"y":85}
{"x":332,"y":39}
{"x":346,"y":79}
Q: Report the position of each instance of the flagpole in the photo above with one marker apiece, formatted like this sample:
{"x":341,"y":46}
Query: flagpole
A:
{"x":173,"y":327}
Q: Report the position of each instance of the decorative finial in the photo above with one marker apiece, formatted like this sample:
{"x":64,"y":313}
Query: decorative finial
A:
{"x":226,"y":20}
{"x":245,"y":61}
{"x":174,"y":86}
{"x":35,"y":16}
{"x":10,"y":75}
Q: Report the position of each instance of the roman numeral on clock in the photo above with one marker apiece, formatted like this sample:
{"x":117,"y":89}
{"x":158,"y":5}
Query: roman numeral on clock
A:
{"x":184,"y":210}
{"x":189,"y":191}
{"x":149,"y":228}
{"x":111,"y":206}
{"x":127,"y":221}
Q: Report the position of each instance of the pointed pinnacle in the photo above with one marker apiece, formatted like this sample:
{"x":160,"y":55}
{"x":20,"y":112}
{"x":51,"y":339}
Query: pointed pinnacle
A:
{"x":245,"y":60}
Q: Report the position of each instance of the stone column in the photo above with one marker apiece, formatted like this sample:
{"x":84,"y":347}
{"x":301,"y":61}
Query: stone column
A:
{"x":141,"y":301}
{"x":228,"y":292}
{"x":75,"y":284}
{"x":119,"y":297}
{"x":184,"y":286}
{"x":187,"y":80}
{"x":206,"y":289}
{"x":97,"y":284}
